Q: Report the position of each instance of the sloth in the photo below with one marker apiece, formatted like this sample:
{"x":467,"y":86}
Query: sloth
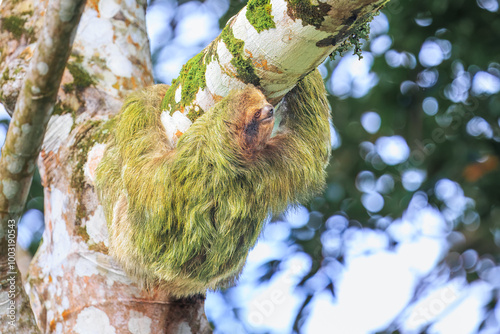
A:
{"x":183,"y":219}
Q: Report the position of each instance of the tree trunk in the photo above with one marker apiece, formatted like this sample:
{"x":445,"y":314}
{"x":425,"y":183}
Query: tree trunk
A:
{"x":74,"y":285}
{"x":34,"y":106}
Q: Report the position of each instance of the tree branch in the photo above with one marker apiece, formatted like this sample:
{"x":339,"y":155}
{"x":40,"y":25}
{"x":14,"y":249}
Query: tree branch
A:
{"x":272,"y":45}
{"x":35,"y":105}
{"x":20,"y":22}
{"x":25,"y":135}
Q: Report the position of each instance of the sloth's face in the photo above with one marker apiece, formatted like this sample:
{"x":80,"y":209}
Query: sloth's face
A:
{"x":262,"y":121}
{"x":265,"y":114}
{"x":258,"y":122}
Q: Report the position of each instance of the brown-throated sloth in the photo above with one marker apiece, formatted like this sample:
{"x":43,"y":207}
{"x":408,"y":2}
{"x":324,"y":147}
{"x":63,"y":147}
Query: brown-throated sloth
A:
{"x":184,"y":219}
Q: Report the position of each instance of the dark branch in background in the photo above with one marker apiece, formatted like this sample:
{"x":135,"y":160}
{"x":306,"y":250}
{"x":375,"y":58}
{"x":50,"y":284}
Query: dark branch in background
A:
{"x":27,"y":128}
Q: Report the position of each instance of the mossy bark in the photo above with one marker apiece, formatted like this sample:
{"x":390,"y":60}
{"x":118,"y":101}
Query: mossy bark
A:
{"x":20,"y":22}
{"x":73,"y":257}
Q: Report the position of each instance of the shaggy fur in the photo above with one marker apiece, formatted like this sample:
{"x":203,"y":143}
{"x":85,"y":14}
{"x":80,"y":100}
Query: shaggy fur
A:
{"x":184,"y":219}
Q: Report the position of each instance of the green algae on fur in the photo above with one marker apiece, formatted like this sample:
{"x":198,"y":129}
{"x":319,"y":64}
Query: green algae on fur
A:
{"x":184,"y":219}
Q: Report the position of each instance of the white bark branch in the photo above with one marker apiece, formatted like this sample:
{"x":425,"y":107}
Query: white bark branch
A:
{"x":298,"y":37}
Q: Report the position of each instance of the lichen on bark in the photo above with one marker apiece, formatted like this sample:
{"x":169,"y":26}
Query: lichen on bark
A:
{"x":90,"y":133}
{"x":356,"y":31}
{"x":309,"y":13}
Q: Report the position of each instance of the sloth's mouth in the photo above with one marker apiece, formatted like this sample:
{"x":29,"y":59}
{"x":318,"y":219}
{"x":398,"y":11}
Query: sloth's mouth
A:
{"x":268,"y":119}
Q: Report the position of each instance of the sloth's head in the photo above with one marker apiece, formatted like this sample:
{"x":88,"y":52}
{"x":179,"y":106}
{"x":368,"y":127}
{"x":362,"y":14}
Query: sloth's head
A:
{"x":255,"y":119}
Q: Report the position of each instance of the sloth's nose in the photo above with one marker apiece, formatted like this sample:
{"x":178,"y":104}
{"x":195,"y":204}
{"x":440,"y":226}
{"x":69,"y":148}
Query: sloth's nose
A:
{"x":268,"y":110}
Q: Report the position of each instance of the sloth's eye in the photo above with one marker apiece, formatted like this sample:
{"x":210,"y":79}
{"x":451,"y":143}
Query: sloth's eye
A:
{"x":257,"y":114}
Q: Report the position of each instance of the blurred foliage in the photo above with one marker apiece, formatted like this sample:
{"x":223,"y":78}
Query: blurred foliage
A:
{"x":35,"y":202}
{"x":471,"y":160}
{"x":234,"y":7}
{"x":35,"y":195}
{"x":460,"y":142}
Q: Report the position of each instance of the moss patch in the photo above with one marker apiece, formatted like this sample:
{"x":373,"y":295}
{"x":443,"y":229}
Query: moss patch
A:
{"x":2,"y":55}
{"x":5,"y":75}
{"x":81,"y":78}
{"x":244,"y":66}
{"x":82,"y":232}
{"x":62,"y":109}
{"x":191,"y":79}
{"x":91,"y":133}
{"x":169,"y":98}
{"x":15,"y":25}
{"x":101,"y":62}
{"x":259,"y":14}
{"x":309,"y":14}
{"x":194,"y":113}
{"x":211,"y":51}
